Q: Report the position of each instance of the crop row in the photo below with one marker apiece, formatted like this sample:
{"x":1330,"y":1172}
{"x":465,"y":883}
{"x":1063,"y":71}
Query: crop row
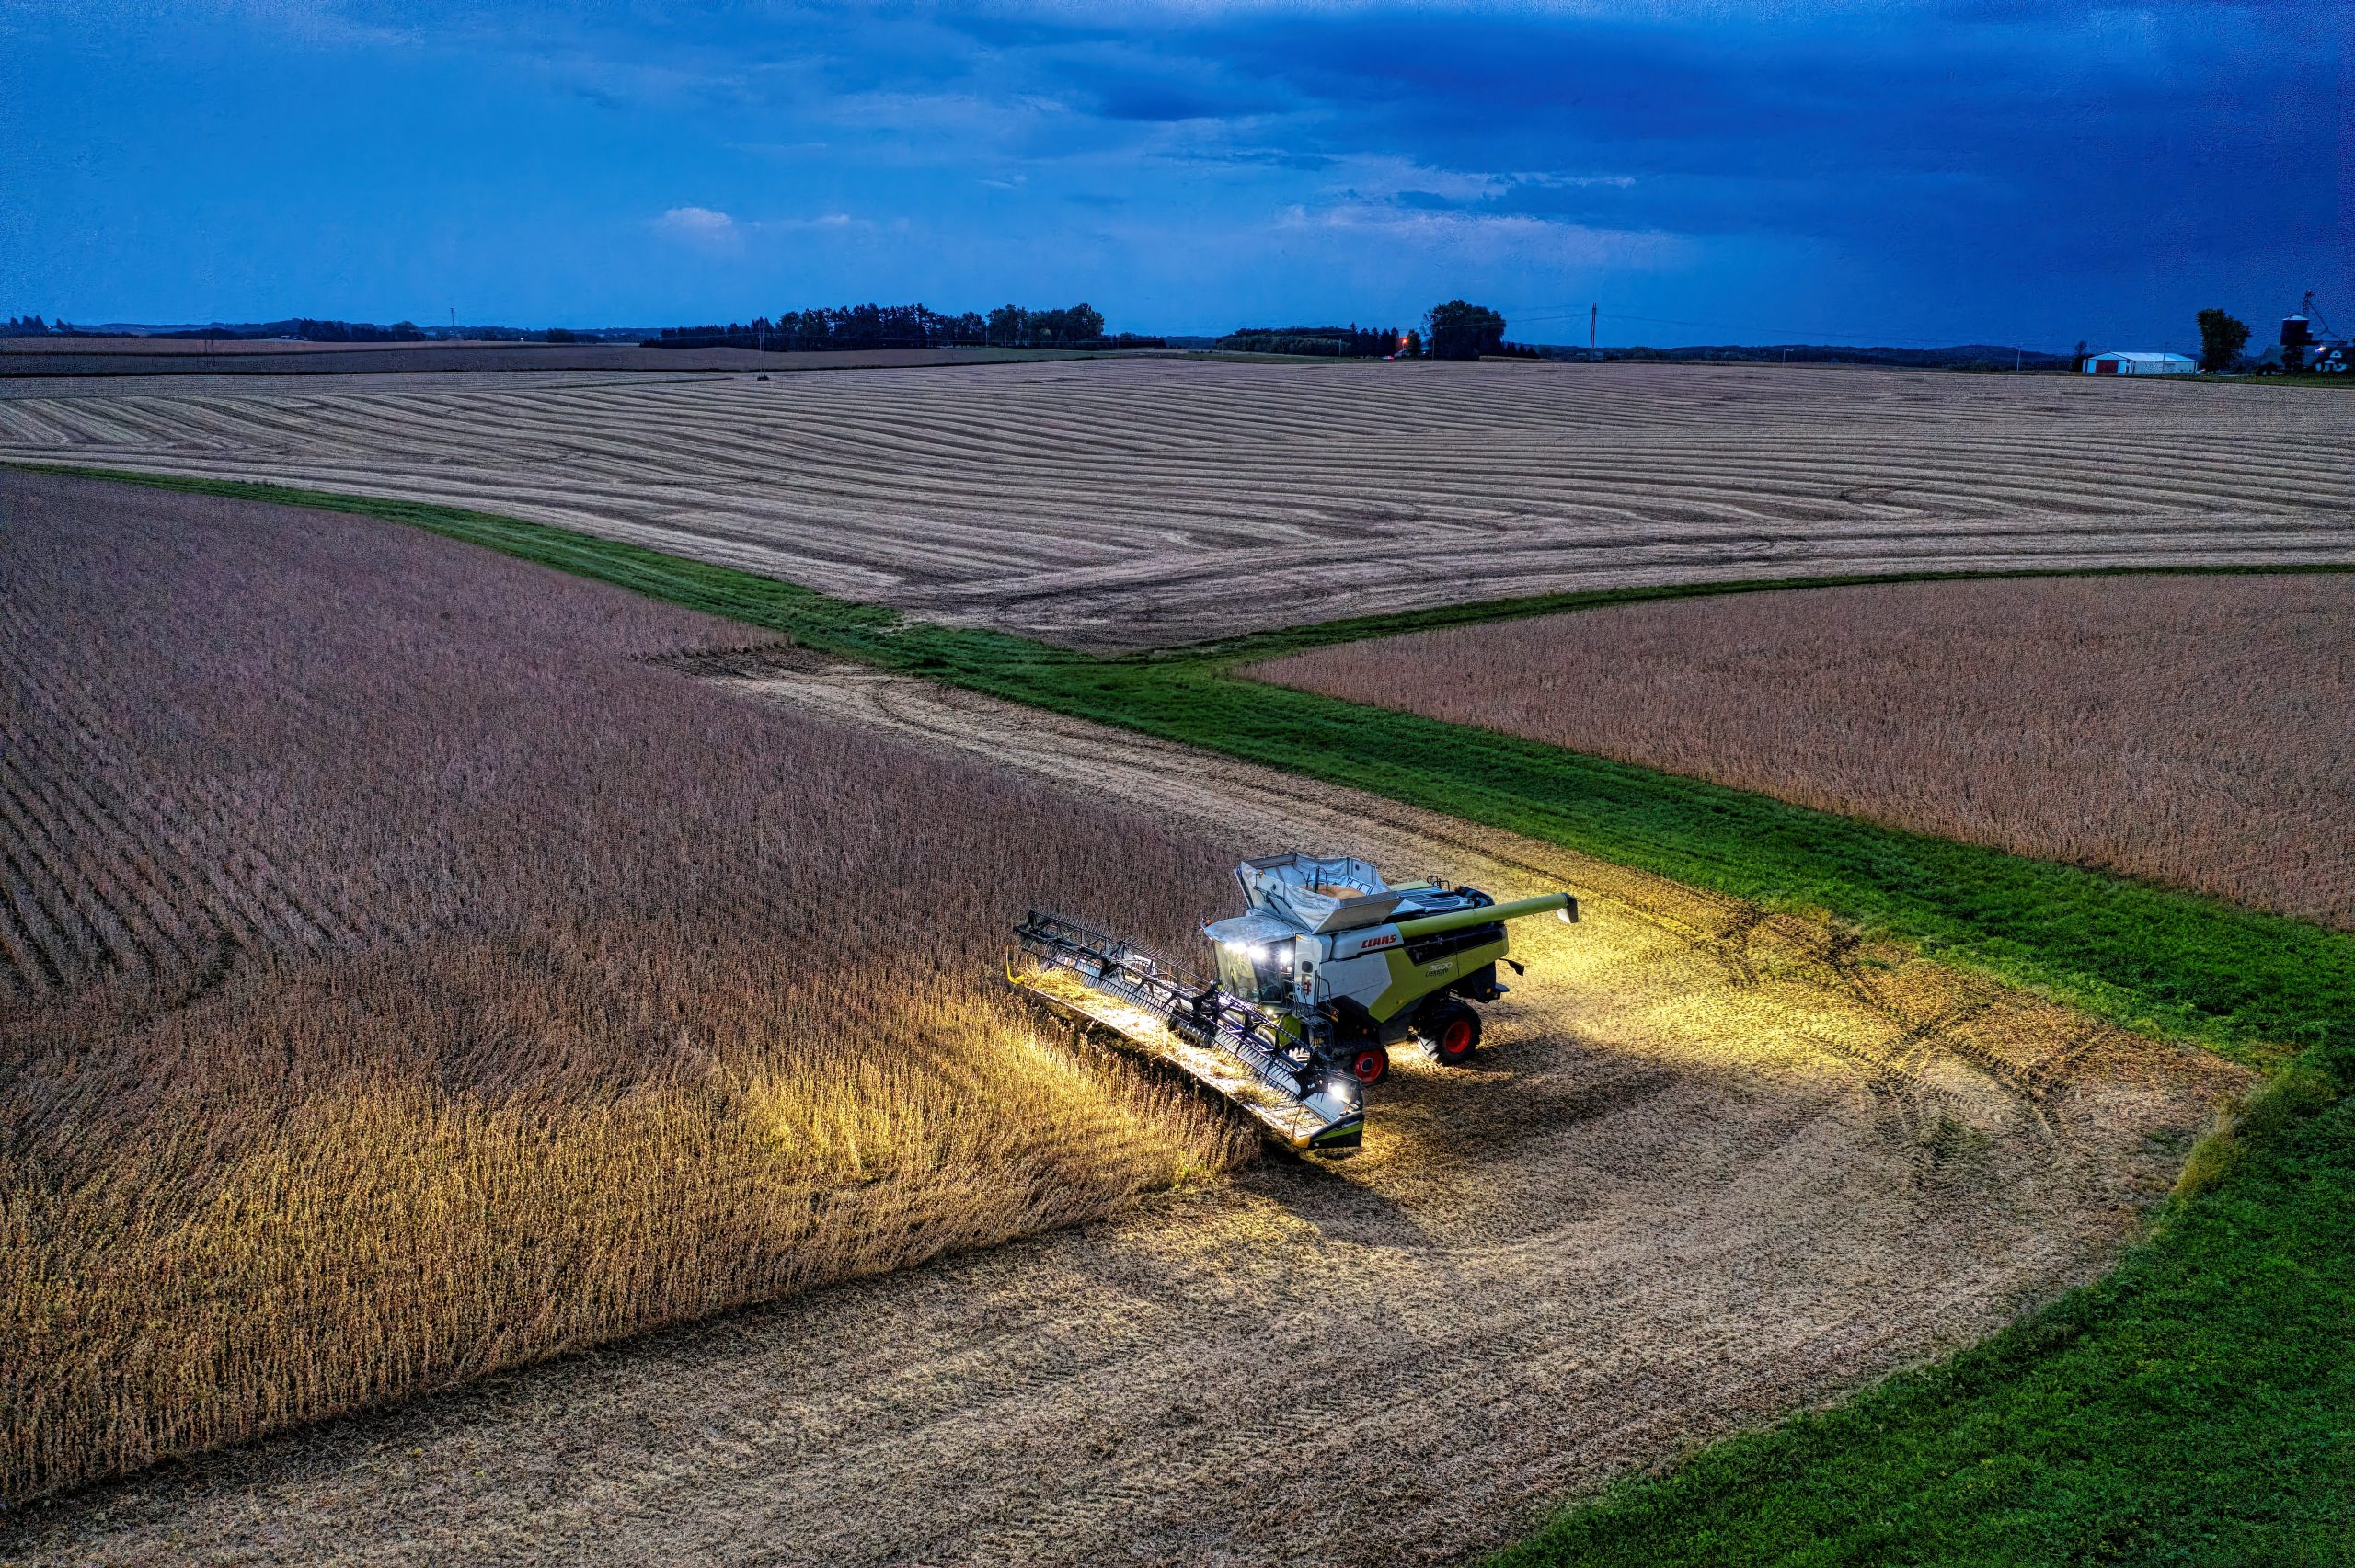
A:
{"x":412,"y":979}
{"x":1140,"y":500}
{"x":2187,"y":730}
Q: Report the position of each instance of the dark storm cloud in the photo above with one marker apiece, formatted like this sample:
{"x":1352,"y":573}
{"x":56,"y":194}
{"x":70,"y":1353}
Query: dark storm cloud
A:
{"x":2076,"y":124}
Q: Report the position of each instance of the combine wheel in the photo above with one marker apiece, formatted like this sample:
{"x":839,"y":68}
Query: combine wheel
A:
{"x":1371,"y":1065}
{"x":1451,"y":1030}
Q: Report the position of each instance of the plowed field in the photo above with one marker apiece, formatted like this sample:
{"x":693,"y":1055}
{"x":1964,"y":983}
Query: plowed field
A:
{"x":1138,"y":502}
{"x":1710,"y":1166}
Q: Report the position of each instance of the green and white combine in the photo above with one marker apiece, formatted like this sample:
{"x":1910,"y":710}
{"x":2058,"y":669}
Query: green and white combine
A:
{"x":1327,"y":971}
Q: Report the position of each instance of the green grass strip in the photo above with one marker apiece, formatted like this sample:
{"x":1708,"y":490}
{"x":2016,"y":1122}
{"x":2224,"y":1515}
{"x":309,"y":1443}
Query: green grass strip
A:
{"x":2197,"y":1406}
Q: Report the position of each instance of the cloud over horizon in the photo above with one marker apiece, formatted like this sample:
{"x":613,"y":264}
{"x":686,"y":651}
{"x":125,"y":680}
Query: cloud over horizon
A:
{"x":701,"y":227}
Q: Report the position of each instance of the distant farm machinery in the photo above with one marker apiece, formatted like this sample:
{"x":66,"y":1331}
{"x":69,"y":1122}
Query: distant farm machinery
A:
{"x":1327,"y":971}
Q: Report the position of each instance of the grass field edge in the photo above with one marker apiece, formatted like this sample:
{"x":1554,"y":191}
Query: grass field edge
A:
{"x":2046,"y":1441}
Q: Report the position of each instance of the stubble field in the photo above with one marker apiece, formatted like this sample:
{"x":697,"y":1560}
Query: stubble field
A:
{"x":2193,"y":730}
{"x":479,"y":989}
{"x":1126,"y":503}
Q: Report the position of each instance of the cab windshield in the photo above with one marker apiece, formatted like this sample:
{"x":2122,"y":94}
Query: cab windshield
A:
{"x":1261,"y":972}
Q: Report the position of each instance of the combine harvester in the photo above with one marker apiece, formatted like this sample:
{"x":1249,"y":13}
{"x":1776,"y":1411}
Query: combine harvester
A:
{"x":1327,"y":970}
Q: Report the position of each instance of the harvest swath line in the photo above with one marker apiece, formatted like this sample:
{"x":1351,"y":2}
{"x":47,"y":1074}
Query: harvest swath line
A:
{"x":1124,"y":504}
{"x":2241,"y":1292}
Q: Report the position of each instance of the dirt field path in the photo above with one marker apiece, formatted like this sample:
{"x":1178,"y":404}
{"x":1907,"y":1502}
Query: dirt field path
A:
{"x":1710,"y":1168}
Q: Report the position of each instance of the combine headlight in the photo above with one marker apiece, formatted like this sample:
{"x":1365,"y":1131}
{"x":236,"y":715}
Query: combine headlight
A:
{"x":1337,"y":1094}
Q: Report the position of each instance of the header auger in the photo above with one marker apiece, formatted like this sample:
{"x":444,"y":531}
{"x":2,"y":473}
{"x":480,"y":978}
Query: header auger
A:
{"x":1327,"y":971}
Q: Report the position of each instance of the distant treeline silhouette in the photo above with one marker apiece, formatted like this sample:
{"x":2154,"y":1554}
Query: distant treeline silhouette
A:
{"x":304,"y":329}
{"x":301,"y":327}
{"x":908,"y":326}
{"x":1342,"y":342}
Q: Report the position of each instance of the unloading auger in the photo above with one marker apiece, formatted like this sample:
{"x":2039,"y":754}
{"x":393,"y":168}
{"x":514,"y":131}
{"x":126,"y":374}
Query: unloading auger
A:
{"x":1326,"y":971}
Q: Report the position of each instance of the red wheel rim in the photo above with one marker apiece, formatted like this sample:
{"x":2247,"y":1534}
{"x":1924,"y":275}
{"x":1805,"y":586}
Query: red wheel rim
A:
{"x":1456,"y":1038}
{"x":1368,"y":1066}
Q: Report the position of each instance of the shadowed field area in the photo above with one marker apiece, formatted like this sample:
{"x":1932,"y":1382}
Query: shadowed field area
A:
{"x":1128,"y":503}
{"x":2189,"y":729}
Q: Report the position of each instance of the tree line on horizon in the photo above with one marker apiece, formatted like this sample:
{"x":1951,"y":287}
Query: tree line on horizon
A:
{"x":1342,"y":342}
{"x":302,"y":328}
{"x":907,"y":327}
{"x":1456,"y":330}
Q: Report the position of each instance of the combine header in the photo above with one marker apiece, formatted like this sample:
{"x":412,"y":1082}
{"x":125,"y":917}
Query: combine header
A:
{"x":1326,"y":971}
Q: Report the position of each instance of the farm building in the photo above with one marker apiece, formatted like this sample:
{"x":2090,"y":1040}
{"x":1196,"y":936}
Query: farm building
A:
{"x":2127,"y":363}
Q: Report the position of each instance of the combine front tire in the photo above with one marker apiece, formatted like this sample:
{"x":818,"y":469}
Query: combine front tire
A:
{"x":1371,"y":1065}
{"x":1451,"y":1030}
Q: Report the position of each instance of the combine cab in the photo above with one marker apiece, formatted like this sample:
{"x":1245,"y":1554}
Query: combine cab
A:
{"x":1327,"y":971}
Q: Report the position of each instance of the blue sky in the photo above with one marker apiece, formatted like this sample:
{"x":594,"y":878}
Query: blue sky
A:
{"x":1710,"y":171}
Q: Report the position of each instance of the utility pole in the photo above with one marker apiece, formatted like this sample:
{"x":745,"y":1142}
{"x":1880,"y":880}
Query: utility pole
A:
{"x":1593,"y":314}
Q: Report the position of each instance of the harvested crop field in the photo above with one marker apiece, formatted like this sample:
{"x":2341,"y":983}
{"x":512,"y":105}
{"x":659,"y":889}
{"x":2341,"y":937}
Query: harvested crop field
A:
{"x":2194,"y":730}
{"x":1120,"y":503}
{"x":400,"y":979}
{"x":1711,"y":1167}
